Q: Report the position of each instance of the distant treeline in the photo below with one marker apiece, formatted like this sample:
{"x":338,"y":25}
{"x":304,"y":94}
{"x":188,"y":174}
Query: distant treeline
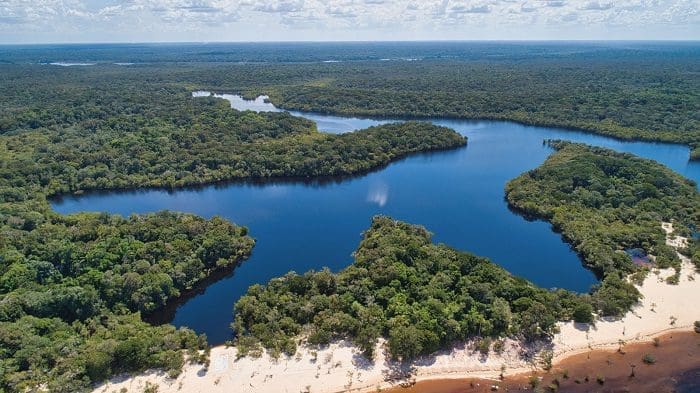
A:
{"x":629,"y":98}
{"x":306,"y":52}
{"x":630,"y":91}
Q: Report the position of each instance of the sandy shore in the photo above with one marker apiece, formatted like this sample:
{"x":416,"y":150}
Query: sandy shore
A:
{"x":676,"y":368}
{"x":340,"y":368}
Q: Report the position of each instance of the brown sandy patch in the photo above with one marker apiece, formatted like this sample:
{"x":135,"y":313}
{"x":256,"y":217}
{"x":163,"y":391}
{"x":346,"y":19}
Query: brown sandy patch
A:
{"x":677,"y":362}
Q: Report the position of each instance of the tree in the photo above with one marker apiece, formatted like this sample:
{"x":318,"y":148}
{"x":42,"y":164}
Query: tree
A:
{"x":404,"y":342}
{"x":583,"y":313}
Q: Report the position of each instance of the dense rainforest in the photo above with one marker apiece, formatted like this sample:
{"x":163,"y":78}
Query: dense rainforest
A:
{"x":73,"y":288}
{"x":605,"y":203}
{"x":626,"y":90}
{"x":649,"y":99}
{"x":418,"y":295}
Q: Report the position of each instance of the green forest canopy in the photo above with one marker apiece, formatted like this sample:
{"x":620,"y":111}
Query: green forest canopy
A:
{"x":650,"y":92}
{"x":628,"y":98}
{"x":72,"y":288}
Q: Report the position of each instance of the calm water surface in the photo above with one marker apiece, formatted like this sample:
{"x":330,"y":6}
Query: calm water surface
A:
{"x":458,"y":195}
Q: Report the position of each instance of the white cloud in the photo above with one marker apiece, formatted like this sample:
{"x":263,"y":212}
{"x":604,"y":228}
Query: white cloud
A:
{"x":469,"y":8}
{"x":279,"y":6}
{"x":597,"y":6}
{"x":222,"y":20}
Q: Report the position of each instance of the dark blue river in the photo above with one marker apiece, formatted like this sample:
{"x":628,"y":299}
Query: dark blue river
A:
{"x":458,"y":195}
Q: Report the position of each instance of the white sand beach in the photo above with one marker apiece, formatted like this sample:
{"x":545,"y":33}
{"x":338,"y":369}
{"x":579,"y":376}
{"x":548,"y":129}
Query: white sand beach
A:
{"x":339,"y":368}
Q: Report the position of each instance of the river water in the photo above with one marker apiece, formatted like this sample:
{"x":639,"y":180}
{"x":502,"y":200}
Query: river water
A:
{"x":458,"y":195}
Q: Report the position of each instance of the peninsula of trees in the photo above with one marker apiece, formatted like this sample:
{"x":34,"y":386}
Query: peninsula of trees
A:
{"x":419,"y":296}
{"x":605,"y":203}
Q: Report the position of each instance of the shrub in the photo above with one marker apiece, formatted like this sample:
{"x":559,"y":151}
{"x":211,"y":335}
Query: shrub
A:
{"x":649,"y":359}
{"x":547,"y":357}
{"x":534,"y":381}
{"x":484,"y":345}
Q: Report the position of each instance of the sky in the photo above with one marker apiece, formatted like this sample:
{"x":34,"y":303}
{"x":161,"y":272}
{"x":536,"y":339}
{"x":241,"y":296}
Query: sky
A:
{"x":65,"y":21}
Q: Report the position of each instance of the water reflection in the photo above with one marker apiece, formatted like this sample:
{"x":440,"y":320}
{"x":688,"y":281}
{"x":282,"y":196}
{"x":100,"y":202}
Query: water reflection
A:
{"x":378,"y":193}
{"x":325,"y":123}
{"x":260,"y":104}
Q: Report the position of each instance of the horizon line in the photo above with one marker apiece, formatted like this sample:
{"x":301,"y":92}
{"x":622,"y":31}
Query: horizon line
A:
{"x":352,"y":41}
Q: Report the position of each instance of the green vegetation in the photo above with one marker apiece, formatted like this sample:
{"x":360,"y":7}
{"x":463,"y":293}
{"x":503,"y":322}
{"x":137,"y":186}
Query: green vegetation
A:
{"x":421,"y":296}
{"x":73,"y":288}
{"x":635,"y":91}
{"x":693,"y":249}
{"x":418,"y":295}
{"x":583,"y":313}
{"x":195,"y":141}
{"x":604,"y":203}
{"x":534,"y":381}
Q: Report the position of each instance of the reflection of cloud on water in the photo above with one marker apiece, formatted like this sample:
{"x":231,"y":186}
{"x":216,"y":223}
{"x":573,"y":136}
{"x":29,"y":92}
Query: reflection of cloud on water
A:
{"x":275,"y":191}
{"x":378,"y":193}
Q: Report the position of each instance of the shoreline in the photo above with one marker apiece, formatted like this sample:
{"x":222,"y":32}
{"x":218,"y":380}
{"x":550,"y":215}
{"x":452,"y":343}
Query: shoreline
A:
{"x":494,"y":375}
{"x":621,"y":370}
{"x":664,"y":309}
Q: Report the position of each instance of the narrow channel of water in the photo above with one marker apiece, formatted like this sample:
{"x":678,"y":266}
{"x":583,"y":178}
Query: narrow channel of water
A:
{"x":457,"y":194}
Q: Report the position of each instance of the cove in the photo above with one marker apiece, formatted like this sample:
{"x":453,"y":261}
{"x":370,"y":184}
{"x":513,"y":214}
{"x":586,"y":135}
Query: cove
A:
{"x":308,"y":224}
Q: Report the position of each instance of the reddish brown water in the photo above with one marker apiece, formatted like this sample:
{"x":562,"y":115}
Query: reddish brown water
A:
{"x":676,"y":369}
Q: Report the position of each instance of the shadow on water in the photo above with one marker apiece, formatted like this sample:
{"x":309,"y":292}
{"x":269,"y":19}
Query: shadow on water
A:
{"x":316,"y":182}
{"x":167,"y":313}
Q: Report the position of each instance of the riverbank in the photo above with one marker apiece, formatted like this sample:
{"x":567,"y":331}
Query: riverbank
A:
{"x":675,"y":368}
{"x":665,"y":308}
